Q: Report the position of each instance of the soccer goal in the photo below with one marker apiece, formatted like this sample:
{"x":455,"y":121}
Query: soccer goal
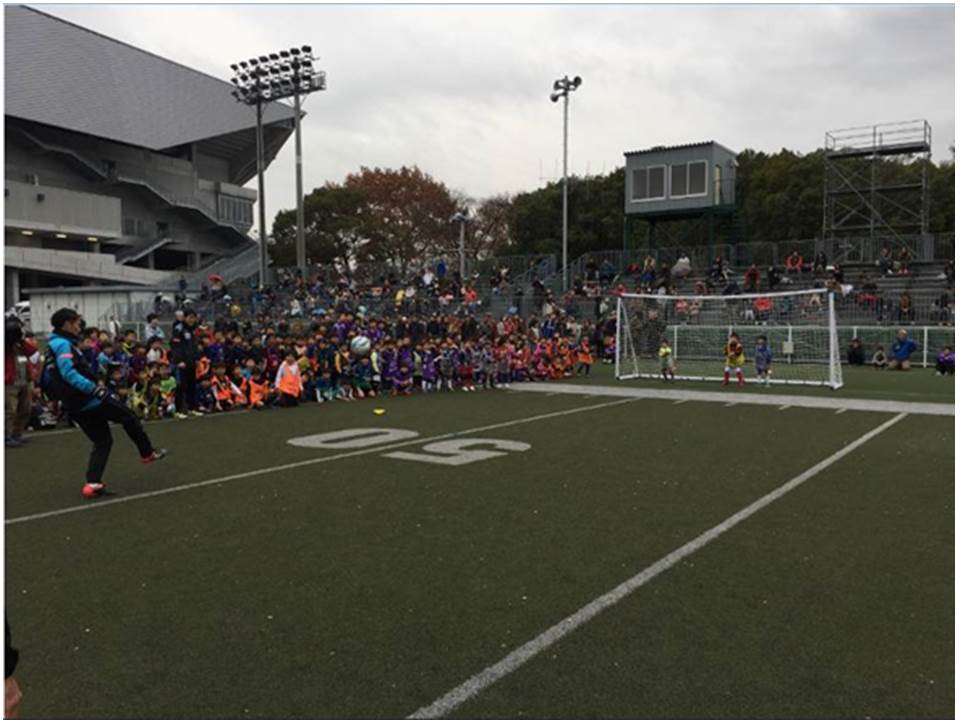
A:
{"x":691,"y":332}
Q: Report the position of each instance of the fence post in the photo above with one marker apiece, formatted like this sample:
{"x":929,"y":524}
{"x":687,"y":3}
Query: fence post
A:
{"x":926,"y":339}
{"x":675,"y":343}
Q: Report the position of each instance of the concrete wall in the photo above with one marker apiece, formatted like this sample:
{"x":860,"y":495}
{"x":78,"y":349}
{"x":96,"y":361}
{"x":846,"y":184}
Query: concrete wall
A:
{"x":92,"y":305}
{"x":57,"y":210}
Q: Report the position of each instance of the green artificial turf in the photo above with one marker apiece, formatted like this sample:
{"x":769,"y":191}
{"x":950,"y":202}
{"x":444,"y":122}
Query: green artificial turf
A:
{"x":915,"y":385}
{"x":369,"y":586}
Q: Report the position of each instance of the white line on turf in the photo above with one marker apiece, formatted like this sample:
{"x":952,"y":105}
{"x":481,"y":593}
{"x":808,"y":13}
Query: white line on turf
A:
{"x":312,"y":461}
{"x":730,"y":404}
{"x":531,"y":649}
{"x":743,"y":397}
{"x":841,"y":411}
{"x":680,"y":402}
{"x":785,"y":407}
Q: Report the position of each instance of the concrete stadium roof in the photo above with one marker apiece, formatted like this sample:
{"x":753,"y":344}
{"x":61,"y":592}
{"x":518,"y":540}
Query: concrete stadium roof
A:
{"x":67,"y":76}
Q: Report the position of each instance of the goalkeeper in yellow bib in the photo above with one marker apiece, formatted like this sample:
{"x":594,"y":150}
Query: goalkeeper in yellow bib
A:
{"x":734,"y":359}
{"x":665,"y":354}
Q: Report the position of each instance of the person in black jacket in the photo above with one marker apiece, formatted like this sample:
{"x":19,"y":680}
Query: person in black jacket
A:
{"x":68,"y":378}
{"x":11,"y":690}
{"x":184,"y":353}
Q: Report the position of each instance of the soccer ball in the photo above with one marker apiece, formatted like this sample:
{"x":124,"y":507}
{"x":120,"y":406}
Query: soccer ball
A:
{"x":360,"y":345}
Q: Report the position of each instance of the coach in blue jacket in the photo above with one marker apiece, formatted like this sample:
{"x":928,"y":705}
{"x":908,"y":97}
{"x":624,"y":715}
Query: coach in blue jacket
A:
{"x":67,"y":377}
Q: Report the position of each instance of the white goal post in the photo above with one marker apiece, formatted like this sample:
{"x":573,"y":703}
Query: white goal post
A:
{"x":799,"y":328}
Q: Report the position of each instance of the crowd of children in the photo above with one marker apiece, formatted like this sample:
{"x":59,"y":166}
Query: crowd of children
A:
{"x":281,"y":364}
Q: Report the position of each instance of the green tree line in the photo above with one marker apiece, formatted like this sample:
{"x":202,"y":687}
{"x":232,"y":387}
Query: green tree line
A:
{"x":404,"y":216}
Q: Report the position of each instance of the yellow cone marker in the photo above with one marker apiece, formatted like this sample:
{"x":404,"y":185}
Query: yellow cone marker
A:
{"x":379,"y":411}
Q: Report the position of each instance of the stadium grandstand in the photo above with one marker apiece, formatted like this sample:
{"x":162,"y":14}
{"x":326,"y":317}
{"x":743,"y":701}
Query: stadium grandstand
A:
{"x":122,"y":168}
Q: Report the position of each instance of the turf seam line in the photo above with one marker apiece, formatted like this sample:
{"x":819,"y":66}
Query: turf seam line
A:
{"x":742,"y":397}
{"x":312,"y":461}
{"x":490,"y":675}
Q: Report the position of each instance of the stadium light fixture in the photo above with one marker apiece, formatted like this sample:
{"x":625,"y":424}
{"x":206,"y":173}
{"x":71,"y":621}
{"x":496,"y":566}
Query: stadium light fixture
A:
{"x":277,"y":76}
{"x":562,"y":89}
{"x":462,"y":217}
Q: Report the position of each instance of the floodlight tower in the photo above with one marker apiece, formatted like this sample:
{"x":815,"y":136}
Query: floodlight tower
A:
{"x":562,"y":89}
{"x":462,"y":217}
{"x":289,"y":73}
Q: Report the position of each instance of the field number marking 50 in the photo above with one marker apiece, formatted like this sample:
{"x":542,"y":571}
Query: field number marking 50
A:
{"x":451,"y":453}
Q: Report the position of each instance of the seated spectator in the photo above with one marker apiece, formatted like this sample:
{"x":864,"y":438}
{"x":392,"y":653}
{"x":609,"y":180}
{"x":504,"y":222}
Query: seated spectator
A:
{"x":943,"y":308}
{"x":885,"y":261}
{"x":902,"y":264}
{"x":773,"y":277}
{"x":837,"y":274}
{"x":879,"y":359}
{"x":762,"y":307}
{"x":945,"y":361}
{"x":751,"y":279}
{"x":905,"y":312}
{"x":820,"y":263}
{"x":682,"y":267}
{"x":593,"y":270}
{"x":795,"y":262}
{"x":719,"y":272}
{"x":607,"y":272}
{"x":948,"y":273}
{"x":856,"y":355}
{"x":901,"y":350}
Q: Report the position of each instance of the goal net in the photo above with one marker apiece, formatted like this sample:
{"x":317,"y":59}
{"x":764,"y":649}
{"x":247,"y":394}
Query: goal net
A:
{"x":688,"y":335}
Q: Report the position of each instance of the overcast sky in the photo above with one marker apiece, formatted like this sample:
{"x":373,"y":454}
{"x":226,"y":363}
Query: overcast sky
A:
{"x":463,"y":91}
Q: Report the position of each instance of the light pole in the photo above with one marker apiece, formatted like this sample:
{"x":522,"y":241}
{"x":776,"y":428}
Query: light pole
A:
{"x":289,"y":73}
{"x":562,"y":89}
{"x":462,"y":217}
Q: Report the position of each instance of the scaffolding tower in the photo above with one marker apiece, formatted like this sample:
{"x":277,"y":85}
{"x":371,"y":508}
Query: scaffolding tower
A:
{"x":875,"y":181}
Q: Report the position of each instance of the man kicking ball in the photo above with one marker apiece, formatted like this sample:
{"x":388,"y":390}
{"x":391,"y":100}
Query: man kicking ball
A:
{"x":68,"y":378}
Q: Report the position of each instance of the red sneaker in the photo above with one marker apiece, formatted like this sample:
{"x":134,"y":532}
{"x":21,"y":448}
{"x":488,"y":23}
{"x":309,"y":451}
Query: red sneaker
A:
{"x":92,"y":489}
{"x":159,"y":454}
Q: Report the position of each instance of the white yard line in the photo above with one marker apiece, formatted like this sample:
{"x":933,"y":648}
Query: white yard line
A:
{"x":785,"y":407}
{"x":531,"y":649}
{"x":680,"y":402}
{"x":312,"y":461}
{"x":841,"y":411}
{"x":743,"y":397}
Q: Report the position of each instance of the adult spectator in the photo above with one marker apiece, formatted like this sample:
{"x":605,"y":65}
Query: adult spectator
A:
{"x":441,"y":270}
{"x":943,"y":307}
{"x":795,"y":262}
{"x":718,"y":272}
{"x":751,"y":279}
{"x":948,"y":273}
{"x":649,"y":274}
{"x":856,"y":355}
{"x":901,"y":350}
{"x":607,"y":272}
{"x":905,"y":312}
{"x":885,"y":261}
{"x":682,"y":267}
{"x":773,"y":277}
{"x":820,"y":263}
{"x":16,"y":381}
{"x":184,"y":353}
{"x":593,"y":270}
{"x":902,"y":264}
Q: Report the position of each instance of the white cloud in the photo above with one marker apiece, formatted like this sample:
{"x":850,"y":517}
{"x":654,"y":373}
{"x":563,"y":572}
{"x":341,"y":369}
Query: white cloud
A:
{"x":462,"y":91}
